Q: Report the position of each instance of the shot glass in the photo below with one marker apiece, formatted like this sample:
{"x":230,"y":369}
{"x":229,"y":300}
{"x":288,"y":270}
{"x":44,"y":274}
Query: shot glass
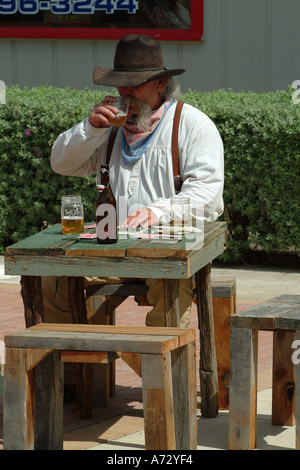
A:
{"x":122,"y":104}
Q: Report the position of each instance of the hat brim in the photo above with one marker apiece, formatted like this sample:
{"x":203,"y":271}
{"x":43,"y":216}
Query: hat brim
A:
{"x":110,"y":77}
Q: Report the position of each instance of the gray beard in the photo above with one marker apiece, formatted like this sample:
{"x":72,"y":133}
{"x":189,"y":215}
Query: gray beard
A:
{"x":143,"y":117}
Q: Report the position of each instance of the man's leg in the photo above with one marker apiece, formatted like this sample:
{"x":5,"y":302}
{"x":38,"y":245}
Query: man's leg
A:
{"x":155,"y":297}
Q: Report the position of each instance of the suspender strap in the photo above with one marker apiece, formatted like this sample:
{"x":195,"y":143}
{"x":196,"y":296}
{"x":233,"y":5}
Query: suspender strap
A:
{"x":175,"y":152}
{"x":110,"y":144}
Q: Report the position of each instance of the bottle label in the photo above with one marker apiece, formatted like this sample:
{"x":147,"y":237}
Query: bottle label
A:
{"x":106,"y":222}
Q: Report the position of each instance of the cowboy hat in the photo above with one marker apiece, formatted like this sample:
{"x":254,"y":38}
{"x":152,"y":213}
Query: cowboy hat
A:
{"x":138,"y":59}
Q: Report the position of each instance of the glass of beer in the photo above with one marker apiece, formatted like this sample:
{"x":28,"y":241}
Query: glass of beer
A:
{"x":122,"y":104}
{"x":72,"y":216}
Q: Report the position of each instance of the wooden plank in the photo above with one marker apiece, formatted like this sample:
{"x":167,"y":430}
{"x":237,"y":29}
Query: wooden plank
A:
{"x":223,"y":309}
{"x":32,"y":295}
{"x":48,"y":428}
{"x":148,"y":249}
{"x":243,"y":389}
{"x":171,"y":301}
{"x":273,"y":314}
{"x":84,"y":266}
{"x":87,"y":356}
{"x":208,"y":360}
{"x":184,"y":335}
{"x":93,"y":341}
{"x":18,"y":402}
{"x":283,"y":389}
{"x":91,"y":248}
{"x":158,"y":402}
{"x":133,"y":361}
{"x":185,"y":396}
{"x":181,"y":250}
{"x":35,"y":356}
{"x":84,"y":372}
{"x":46,"y":243}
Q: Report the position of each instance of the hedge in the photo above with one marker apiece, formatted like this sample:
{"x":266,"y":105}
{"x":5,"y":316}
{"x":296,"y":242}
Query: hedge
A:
{"x":261,"y":135}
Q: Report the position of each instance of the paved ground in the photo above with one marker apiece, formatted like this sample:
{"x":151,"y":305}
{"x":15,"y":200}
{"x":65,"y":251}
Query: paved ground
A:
{"x":120,"y":425}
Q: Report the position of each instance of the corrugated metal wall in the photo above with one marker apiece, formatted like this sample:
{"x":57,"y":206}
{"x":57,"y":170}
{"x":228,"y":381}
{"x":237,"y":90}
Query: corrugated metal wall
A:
{"x":247,"y":45}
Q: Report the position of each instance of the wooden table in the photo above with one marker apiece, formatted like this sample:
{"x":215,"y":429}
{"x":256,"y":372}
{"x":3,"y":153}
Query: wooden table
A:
{"x":49,"y":253}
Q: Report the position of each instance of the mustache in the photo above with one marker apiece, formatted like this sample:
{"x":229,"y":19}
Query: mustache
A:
{"x":143,"y":115}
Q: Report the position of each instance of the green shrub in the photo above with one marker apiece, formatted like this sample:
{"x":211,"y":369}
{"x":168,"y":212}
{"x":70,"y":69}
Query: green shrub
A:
{"x":261,"y":135}
{"x":260,"y":132}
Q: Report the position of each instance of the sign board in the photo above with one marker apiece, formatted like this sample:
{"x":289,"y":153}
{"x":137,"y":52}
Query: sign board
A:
{"x":178,"y":20}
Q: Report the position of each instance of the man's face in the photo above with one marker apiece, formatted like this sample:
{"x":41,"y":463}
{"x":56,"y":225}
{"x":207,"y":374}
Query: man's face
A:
{"x":147,"y":93}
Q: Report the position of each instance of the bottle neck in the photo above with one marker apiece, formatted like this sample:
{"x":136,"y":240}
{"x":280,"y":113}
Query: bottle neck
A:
{"x":104,"y":179}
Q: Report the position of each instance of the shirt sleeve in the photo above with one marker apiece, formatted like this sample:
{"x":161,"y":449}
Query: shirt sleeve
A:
{"x":78,"y":151}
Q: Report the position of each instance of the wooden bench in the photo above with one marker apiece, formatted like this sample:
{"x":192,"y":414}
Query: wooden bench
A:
{"x":33,"y":385}
{"x":282,"y":316}
{"x":102,"y":300}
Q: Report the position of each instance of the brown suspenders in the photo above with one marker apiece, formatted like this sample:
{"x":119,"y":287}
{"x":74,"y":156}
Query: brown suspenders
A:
{"x":175,"y":152}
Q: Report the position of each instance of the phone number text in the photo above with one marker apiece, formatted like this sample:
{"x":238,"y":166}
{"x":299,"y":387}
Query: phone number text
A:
{"x":67,"y":7}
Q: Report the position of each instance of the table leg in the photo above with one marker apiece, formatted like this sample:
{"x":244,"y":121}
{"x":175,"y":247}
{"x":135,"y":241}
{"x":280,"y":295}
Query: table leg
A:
{"x":84,"y":372}
{"x":208,"y":357}
{"x":31,"y":290}
{"x":171,"y":293}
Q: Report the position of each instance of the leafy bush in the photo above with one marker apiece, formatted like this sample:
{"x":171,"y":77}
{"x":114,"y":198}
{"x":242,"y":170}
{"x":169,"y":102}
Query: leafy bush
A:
{"x":261,"y":135}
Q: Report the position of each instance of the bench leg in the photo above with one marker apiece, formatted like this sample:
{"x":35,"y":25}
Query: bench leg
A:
{"x":18,"y":402}
{"x":243,"y":389}
{"x":158,"y":402}
{"x":185,"y":396}
{"x":48,"y":429}
{"x":283,"y":390}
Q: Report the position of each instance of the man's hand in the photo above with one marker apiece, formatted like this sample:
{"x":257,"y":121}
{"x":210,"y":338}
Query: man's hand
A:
{"x":143,"y":218}
{"x":102,"y":112}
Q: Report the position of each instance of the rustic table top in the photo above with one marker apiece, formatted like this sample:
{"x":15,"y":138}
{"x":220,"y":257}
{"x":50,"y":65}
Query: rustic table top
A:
{"x":49,"y":252}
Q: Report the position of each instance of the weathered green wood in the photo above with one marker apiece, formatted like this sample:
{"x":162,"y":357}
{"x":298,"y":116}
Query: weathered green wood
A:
{"x":84,"y":266}
{"x":279,"y":313}
{"x":139,"y":267}
{"x":47,"y":242}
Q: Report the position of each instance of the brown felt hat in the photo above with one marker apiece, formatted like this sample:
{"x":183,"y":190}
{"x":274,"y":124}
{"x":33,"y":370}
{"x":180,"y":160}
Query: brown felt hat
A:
{"x":138,"y":59}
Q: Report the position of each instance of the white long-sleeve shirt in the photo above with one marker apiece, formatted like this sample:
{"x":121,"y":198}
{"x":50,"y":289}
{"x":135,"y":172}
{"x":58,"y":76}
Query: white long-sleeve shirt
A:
{"x":149,"y":180}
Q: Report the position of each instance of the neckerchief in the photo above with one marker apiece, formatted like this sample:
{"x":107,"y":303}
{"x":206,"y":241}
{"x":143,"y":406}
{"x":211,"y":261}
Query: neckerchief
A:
{"x":134,"y":141}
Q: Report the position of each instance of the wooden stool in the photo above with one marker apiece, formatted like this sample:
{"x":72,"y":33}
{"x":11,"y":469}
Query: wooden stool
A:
{"x":282,"y":316}
{"x":168,"y":370}
{"x":103,"y":299}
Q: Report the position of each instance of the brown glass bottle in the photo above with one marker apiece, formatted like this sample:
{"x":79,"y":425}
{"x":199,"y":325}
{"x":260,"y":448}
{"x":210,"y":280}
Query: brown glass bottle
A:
{"x":106,"y":211}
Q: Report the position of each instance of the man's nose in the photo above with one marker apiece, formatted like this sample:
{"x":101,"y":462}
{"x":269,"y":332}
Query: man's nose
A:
{"x":125,"y":90}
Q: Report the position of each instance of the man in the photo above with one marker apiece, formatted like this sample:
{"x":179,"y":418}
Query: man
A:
{"x":141,"y":161}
